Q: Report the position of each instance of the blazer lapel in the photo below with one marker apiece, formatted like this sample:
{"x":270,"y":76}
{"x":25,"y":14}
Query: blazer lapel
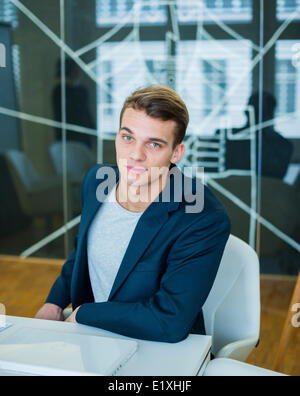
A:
{"x":92,"y":206}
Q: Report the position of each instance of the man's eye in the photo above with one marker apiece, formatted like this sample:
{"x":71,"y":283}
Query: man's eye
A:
{"x":155,"y":145}
{"x":126,"y":138}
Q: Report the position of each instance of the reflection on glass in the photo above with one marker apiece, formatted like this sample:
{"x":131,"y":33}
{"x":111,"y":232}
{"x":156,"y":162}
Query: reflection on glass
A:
{"x":209,"y":66}
{"x":77,"y":103}
{"x":287,"y":89}
{"x":275,"y":149}
{"x":193,"y":11}
{"x":147,"y":64}
{"x":113,"y":12}
{"x":8,"y":13}
{"x":206,"y":71}
{"x":287,"y":7}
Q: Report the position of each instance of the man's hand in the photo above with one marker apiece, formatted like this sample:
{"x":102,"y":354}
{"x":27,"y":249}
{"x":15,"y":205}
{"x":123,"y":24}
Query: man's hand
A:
{"x":50,"y":312}
{"x":72,"y":317}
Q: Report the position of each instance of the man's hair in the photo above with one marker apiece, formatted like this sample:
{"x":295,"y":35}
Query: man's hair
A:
{"x":162,"y":103}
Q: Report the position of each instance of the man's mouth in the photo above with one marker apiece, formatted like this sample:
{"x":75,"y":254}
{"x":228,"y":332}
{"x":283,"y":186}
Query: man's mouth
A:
{"x":137,"y":171}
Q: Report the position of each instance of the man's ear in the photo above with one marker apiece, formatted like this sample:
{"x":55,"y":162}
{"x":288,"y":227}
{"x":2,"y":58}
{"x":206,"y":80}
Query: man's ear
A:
{"x":178,"y":153}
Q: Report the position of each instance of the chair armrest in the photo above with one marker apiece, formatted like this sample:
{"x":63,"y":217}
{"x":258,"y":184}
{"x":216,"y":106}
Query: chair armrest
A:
{"x":238,"y":350}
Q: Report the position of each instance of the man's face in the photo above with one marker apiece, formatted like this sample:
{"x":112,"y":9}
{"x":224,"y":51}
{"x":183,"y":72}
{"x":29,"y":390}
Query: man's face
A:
{"x":144,"y":146}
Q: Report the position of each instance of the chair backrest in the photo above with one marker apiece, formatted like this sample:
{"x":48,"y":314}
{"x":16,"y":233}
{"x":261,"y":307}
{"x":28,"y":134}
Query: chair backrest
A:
{"x":78,"y":157}
{"x":23,"y":168}
{"x":232,"y":309}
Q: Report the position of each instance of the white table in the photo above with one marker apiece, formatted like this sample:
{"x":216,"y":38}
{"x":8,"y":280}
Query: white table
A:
{"x":186,"y":358}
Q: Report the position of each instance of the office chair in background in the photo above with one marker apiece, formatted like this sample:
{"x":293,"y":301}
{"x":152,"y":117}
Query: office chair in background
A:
{"x":79,"y":158}
{"x":37,"y":196}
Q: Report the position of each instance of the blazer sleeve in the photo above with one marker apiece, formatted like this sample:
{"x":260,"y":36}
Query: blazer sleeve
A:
{"x":169,"y":314}
{"x":60,"y":293}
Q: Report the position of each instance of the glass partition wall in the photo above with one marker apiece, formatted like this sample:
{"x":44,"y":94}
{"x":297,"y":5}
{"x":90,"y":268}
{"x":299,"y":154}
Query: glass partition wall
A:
{"x":67,"y":67}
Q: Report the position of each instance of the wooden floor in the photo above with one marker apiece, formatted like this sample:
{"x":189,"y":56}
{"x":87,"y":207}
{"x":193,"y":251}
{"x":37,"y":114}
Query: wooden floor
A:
{"x":25,"y":283}
{"x":276,"y":294}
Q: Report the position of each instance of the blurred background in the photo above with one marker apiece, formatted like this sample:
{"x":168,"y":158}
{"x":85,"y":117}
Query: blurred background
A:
{"x":67,"y":67}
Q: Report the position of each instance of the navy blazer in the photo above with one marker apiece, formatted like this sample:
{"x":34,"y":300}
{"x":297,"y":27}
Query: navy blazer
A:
{"x":166,"y":273}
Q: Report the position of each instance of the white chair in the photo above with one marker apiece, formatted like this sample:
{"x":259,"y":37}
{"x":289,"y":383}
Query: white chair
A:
{"x":232,"y":309}
{"x":79,"y":159}
{"x":233,"y":368}
{"x":24,"y":168}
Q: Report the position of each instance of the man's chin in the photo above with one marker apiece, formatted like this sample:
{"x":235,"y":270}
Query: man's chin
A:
{"x":137,"y":181}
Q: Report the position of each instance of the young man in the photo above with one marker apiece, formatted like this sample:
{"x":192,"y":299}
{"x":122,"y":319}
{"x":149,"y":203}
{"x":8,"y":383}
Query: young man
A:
{"x":143,"y":266}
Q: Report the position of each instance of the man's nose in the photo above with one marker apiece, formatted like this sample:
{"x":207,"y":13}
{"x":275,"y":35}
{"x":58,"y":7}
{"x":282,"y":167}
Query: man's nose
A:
{"x":138,"y":153}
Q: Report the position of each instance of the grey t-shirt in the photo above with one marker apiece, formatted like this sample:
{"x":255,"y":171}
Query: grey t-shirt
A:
{"x":108,"y":239}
